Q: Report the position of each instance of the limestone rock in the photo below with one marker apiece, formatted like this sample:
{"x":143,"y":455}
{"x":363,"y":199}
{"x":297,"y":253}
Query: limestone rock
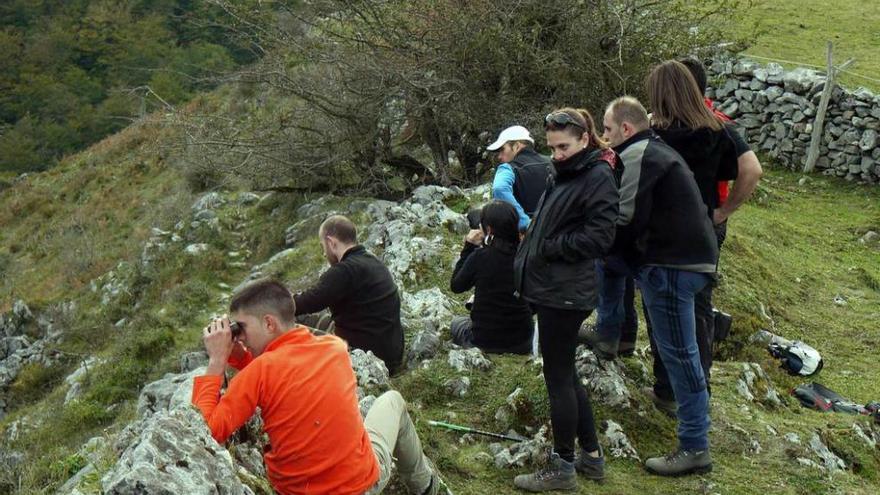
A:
{"x":530,"y":452}
{"x":618,"y":443}
{"x":466,"y":360}
{"x":868,"y":140}
{"x":429,"y":305}
{"x":366,"y":404}
{"x":174,"y":454}
{"x":196,"y":249}
{"x":604,"y":378}
{"x":369,"y":369}
{"x":458,"y":387}
{"x":172,"y":391}
{"x":193,"y":360}
{"x":830,"y":461}
{"x":800,"y":80}
{"x":208,"y":201}
{"x":424,"y":345}
{"x":870,"y":237}
{"x":75,"y":379}
{"x":248,"y":198}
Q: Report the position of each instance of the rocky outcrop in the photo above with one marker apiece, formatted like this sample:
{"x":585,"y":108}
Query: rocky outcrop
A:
{"x":173,"y":454}
{"x":467,"y":360}
{"x":25,"y":338}
{"x":606,"y":379}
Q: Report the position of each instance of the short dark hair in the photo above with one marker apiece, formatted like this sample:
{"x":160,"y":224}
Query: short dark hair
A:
{"x":265,"y":296}
{"x":629,"y":109}
{"x":697,"y":70}
{"x":341,"y":228}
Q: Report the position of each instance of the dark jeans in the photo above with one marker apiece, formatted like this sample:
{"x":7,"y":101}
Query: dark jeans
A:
{"x":570,"y":411}
{"x":462,"y":330}
{"x":669,"y":296}
{"x":705,"y":334}
{"x":616,"y":315}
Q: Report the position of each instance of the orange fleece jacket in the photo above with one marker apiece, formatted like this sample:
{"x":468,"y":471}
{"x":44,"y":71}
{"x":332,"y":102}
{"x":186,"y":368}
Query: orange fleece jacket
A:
{"x":305,"y":389}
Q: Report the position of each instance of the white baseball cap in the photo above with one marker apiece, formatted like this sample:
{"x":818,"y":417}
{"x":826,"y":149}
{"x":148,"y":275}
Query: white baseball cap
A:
{"x":513,"y":133}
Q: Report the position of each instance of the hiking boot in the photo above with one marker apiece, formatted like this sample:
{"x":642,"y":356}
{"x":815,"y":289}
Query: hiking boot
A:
{"x":667,"y":407}
{"x":591,"y":467}
{"x":602,"y":348}
{"x":558,"y":475}
{"x":626,"y":349}
{"x":680,"y":463}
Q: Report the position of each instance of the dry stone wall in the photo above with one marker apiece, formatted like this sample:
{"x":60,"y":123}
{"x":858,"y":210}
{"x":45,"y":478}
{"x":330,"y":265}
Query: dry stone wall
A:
{"x":775,"y":109}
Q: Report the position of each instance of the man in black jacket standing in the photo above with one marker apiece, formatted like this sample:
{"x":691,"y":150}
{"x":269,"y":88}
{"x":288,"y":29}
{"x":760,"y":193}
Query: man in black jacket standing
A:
{"x":360,"y":293}
{"x":667,"y":239}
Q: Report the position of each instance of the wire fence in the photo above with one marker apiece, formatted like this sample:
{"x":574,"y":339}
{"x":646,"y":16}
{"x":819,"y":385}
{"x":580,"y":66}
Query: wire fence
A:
{"x":820,"y":67}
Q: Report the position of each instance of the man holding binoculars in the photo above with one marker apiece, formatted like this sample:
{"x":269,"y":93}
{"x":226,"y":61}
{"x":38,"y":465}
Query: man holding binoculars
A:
{"x":305,"y":388}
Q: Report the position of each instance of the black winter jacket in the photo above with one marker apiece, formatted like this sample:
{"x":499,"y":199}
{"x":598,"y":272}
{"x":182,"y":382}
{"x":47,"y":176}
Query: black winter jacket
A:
{"x":662,"y":216}
{"x":364,"y":302}
{"x":573,"y":226}
{"x":502,"y":322}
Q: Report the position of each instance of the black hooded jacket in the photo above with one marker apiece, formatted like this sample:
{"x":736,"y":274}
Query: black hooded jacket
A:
{"x":573,"y":226}
{"x":710,"y":154}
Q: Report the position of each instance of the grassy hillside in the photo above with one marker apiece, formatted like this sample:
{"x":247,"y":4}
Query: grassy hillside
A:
{"x":797,"y":30}
{"x":793,"y":250}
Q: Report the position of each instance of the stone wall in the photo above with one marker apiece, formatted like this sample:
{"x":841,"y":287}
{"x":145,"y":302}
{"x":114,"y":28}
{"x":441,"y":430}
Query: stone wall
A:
{"x":775,"y":109}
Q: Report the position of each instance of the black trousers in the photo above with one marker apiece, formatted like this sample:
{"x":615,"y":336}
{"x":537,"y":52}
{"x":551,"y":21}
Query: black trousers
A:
{"x":705,"y":334}
{"x":571,"y":413}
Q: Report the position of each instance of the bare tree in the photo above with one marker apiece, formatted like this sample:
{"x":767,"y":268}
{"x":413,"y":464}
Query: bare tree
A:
{"x":381,"y":91}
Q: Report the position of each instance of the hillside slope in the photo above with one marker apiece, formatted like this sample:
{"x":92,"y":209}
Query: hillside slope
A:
{"x":121,"y":266}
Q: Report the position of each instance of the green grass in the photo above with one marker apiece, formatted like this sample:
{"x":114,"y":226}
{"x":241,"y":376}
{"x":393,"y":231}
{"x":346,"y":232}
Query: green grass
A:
{"x":797,"y":30}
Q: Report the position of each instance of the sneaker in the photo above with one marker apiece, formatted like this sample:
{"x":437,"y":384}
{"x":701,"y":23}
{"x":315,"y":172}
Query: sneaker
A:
{"x":558,"y":475}
{"x":680,"y":463}
{"x":604,"y":349}
{"x":668,"y":407}
{"x":591,"y":467}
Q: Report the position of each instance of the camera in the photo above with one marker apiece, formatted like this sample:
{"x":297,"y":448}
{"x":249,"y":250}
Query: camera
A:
{"x":236,"y":327}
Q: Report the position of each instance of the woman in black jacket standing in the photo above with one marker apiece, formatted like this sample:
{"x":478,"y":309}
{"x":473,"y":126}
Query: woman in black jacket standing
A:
{"x":499,"y":321}
{"x":554,"y":271}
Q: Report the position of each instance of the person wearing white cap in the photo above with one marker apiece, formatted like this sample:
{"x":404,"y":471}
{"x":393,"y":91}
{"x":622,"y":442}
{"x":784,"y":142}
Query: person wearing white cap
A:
{"x":522,"y":176}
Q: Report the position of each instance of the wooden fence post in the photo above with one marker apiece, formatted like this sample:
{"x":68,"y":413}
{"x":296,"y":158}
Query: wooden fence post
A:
{"x":819,"y":121}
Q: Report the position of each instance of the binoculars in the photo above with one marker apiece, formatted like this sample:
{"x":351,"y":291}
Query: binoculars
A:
{"x":236,"y":327}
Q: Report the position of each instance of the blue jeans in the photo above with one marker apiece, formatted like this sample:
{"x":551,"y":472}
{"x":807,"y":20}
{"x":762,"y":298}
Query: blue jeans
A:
{"x":669,"y":297}
{"x":616,"y":318}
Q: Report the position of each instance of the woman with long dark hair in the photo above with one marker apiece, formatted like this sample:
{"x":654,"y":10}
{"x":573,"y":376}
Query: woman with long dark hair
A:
{"x":555,"y":272}
{"x":679,"y":302}
{"x":499,"y":321}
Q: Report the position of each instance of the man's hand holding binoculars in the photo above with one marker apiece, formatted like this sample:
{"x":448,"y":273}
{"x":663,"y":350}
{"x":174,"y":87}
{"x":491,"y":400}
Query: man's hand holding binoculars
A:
{"x":220,"y":344}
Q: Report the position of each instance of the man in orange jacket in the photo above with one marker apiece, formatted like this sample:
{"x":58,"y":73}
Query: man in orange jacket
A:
{"x":306,"y":391}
